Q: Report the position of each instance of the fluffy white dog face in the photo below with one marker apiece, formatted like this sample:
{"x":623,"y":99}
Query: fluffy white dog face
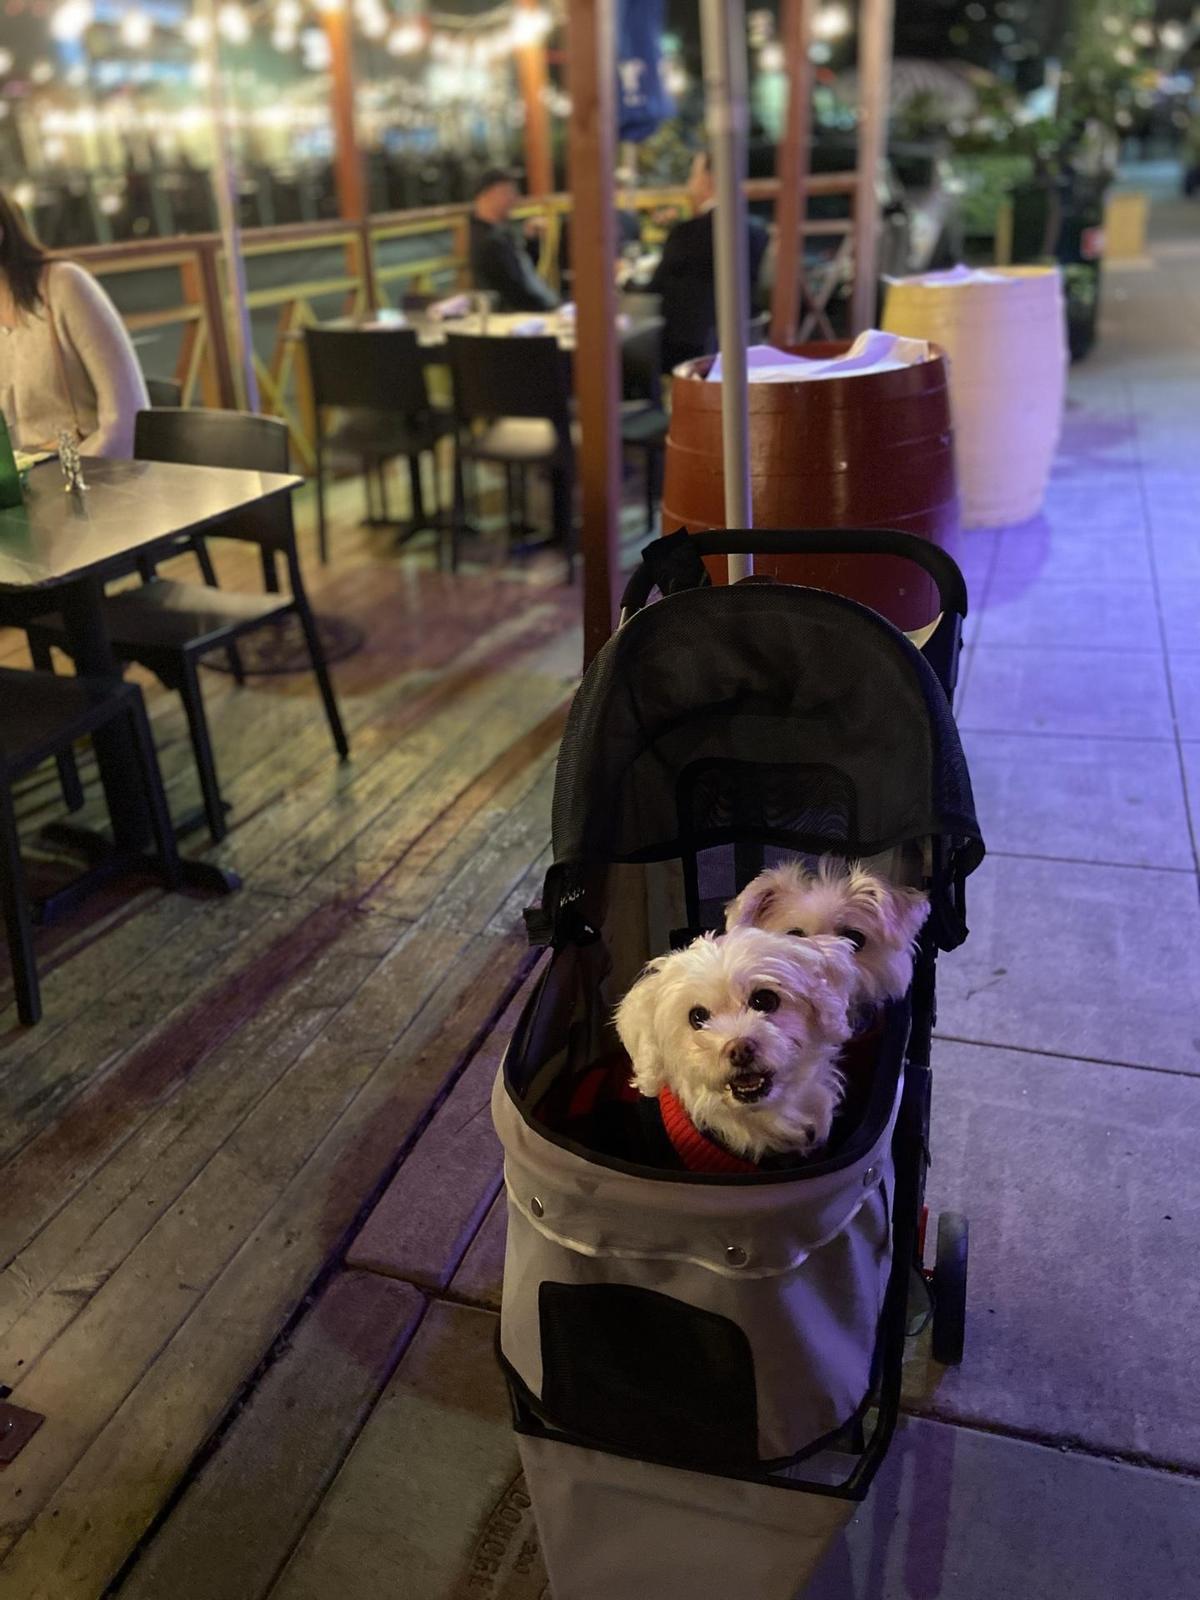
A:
{"x":745,"y":1029}
{"x":879,"y":919}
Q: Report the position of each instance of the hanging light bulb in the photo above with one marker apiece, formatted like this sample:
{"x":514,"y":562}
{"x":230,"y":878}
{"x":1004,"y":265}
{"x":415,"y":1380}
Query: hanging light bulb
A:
{"x":196,"y":31}
{"x":136,"y":30}
{"x":831,"y":22}
{"x":289,"y":14}
{"x":771,"y":58}
{"x":372,"y":19}
{"x":406,"y":38}
{"x":6,"y":62}
{"x":233,"y":23}
{"x":530,"y":25}
{"x":72,"y":20}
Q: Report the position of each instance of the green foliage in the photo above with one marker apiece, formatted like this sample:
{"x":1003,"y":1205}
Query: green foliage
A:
{"x":665,"y":158}
{"x":988,"y":179}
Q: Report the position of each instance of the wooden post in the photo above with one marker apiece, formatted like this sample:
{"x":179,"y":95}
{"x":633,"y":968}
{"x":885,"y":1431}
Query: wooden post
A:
{"x":348,"y":171}
{"x":531,"y":72}
{"x":875,"y":29}
{"x":591,"y":58}
{"x":792,"y":206}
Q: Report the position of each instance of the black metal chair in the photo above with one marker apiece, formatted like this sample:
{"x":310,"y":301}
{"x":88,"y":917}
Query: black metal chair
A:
{"x":644,"y":421}
{"x":512,"y":408}
{"x":168,"y":627}
{"x":376,"y":376}
{"x":164,"y":392}
{"x":42,"y":716}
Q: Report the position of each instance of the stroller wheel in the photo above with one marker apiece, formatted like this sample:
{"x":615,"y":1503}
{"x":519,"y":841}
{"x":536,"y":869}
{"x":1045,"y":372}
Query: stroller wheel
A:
{"x":950,"y":1289}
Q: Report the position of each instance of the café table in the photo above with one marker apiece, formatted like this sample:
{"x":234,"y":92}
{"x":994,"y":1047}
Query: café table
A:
{"x":57,"y":550}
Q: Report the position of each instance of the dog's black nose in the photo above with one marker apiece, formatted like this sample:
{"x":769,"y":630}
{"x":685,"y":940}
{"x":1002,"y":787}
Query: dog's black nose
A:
{"x":742,"y":1054}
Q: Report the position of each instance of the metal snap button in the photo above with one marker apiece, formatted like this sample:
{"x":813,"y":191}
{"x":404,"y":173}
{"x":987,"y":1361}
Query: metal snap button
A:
{"x":735,"y":1255}
{"x":536,"y":1206}
{"x":870,"y":1176}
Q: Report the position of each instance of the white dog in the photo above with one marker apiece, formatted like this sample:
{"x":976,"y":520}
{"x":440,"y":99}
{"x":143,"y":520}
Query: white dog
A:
{"x":745,"y":1031}
{"x":880,"y":919}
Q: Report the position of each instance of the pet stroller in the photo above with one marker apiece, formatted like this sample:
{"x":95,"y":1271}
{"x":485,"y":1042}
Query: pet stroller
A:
{"x":686,"y":1351}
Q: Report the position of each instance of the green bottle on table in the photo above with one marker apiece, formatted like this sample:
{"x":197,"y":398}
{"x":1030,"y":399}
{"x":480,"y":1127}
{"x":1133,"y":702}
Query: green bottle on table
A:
{"x":10,"y":478}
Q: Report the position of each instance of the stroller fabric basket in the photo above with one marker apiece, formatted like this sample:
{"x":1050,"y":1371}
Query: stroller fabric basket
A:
{"x":683,"y":1347}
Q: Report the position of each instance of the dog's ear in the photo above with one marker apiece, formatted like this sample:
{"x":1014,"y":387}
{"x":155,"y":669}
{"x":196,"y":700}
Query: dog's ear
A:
{"x":909,"y":908}
{"x":830,"y":997}
{"x":635,"y":1027}
{"x":752,"y":905}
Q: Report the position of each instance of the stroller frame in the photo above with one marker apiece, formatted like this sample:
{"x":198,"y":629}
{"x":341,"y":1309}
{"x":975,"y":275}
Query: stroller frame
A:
{"x":671,"y":565}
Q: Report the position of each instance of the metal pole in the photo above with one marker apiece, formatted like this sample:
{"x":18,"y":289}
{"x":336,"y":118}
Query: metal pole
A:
{"x":723,"y":36}
{"x":876,"y":22}
{"x":225,"y":189}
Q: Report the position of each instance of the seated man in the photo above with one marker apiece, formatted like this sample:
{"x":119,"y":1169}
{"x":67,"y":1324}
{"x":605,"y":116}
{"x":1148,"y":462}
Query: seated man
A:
{"x":498,"y":262}
{"x":686,"y":275}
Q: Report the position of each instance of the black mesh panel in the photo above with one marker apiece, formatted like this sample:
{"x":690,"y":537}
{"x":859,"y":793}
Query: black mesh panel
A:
{"x":640,"y":1371}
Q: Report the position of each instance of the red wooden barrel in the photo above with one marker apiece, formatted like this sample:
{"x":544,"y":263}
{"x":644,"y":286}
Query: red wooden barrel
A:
{"x":875,"y":451}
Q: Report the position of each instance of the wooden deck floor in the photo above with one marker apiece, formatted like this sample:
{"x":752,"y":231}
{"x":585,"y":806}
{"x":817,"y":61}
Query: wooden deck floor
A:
{"x":222,"y":1087}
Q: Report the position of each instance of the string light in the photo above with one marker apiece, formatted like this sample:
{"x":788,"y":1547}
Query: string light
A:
{"x":406,"y":39}
{"x":196,"y":31}
{"x":530,"y":25}
{"x":72,"y":20}
{"x":234,"y":24}
{"x":136,"y":29}
{"x":6,"y":61}
{"x":831,"y":22}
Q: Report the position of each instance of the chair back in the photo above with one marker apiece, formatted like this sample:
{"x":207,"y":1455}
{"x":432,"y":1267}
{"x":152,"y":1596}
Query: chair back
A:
{"x":164,"y":392}
{"x":367,"y":369}
{"x":239,"y":440}
{"x":641,"y":362}
{"x":509,"y":377}
{"x":204,"y":438}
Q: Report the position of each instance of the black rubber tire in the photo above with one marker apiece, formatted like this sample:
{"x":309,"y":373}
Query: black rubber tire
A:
{"x":950,"y":1288}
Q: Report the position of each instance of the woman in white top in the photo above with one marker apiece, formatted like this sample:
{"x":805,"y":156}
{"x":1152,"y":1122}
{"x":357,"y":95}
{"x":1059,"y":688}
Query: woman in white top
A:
{"x":66,"y":361}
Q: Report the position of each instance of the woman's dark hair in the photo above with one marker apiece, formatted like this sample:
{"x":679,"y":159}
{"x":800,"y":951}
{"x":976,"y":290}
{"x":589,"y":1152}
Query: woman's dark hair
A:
{"x":22,"y":258}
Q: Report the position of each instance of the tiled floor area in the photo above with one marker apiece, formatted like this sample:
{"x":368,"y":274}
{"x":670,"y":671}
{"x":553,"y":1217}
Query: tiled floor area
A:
{"x":371,"y":1456}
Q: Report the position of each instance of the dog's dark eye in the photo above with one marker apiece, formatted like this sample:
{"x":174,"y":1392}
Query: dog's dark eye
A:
{"x":764,"y":1000}
{"x":852,"y":934}
{"x":698,"y":1016}
{"x":797,"y":933}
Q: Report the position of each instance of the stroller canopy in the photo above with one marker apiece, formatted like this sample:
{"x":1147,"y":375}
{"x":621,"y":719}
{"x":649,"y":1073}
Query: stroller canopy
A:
{"x":770,"y":712}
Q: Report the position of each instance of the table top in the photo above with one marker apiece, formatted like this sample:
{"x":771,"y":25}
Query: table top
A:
{"x":432,"y":332}
{"x":130,"y":507}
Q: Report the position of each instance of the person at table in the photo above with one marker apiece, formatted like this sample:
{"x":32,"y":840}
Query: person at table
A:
{"x":66,"y":361}
{"x":499,"y":262}
{"x":685,"y":277}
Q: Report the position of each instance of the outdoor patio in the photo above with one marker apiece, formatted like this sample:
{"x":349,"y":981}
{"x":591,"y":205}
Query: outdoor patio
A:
{"x":252,"y":1256}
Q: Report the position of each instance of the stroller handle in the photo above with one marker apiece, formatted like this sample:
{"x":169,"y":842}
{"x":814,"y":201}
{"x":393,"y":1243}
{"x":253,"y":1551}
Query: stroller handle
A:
{"x":942,"y":568}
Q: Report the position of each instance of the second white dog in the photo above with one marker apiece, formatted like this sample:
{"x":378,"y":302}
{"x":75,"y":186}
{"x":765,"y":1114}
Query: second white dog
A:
{"x":745,"y":1031}
{"x":880,"y":919}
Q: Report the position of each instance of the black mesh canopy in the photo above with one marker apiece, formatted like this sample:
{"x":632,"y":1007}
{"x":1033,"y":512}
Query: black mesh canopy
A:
{"x":766,"y":712}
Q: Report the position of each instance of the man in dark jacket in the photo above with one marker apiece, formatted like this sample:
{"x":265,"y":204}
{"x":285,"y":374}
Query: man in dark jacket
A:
{"x":498,"y":262}
{"x":686,"y":275}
